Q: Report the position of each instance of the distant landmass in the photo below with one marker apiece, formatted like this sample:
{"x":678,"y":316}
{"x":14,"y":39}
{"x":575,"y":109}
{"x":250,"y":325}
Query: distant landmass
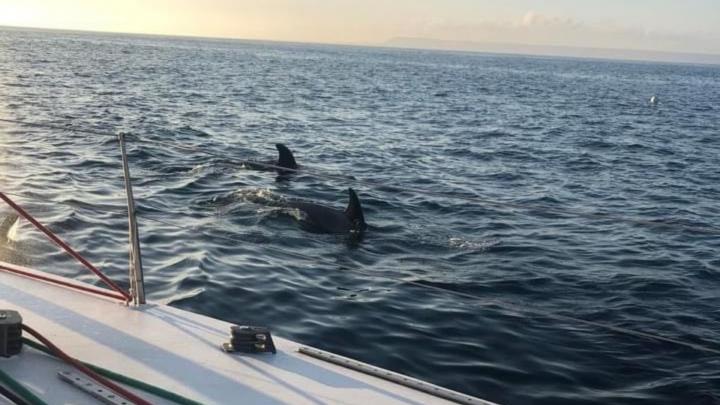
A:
{"x":545,"y":50}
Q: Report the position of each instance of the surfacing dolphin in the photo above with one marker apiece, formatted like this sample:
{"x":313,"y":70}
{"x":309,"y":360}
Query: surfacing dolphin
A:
{"x":285,"y":160}
{"x":6,"y":226}
{"x":322,"y":219}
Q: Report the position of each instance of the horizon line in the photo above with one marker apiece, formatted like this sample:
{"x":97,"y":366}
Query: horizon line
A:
{"x":387,"y":44}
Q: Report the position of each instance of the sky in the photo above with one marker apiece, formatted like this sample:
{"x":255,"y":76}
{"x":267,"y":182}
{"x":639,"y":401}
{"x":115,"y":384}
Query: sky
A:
{"x":659,"y":25}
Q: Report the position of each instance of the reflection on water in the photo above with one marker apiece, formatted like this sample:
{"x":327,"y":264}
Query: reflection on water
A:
{"x":551,"y":137}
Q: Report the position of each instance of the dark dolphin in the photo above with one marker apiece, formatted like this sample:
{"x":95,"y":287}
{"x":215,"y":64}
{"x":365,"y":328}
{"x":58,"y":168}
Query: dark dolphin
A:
{"x":323,"y":219}
{"x":5,"y":226}
{"x":285,"y":159}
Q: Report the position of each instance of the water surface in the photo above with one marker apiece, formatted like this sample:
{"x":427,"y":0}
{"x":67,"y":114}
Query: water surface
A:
{"x":544,"y":184}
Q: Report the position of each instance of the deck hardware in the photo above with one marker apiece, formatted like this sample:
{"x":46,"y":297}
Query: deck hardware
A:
{"x":391,"y":376}
{"x":10,"y":333}
{"x":249,"y":339}
{"x":92,"y":388}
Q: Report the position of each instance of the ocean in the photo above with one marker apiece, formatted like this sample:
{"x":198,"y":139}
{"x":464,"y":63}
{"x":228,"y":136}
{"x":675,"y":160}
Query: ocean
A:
{"x":517,"y":206}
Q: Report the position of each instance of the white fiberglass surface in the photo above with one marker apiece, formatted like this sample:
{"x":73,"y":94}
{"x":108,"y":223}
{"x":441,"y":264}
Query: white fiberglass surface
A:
{"x":178,"y":351}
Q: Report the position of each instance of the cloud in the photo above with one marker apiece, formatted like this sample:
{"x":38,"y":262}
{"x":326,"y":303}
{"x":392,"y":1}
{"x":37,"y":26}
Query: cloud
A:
{"x":540,"y":29}
{"x":533,"y":19}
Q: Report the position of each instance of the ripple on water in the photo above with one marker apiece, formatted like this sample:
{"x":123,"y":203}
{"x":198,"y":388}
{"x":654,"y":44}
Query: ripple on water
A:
{"x":500,"y":177}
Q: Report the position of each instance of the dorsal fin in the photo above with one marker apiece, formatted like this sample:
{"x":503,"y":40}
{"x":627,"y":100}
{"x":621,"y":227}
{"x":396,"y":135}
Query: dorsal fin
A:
{"x":7,"y":223}
{"x":285,"y":157}
{"x":354,"y":211}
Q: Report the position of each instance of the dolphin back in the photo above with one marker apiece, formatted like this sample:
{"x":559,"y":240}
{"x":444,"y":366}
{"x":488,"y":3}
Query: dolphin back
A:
{"x":354,"y":211}
{"x":285,"y":157}
{"x":323,"y":219}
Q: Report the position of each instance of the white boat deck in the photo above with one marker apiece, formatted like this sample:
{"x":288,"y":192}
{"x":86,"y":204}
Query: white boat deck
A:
{"x":178,"y":351}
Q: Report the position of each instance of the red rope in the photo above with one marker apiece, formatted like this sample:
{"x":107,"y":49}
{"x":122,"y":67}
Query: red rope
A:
{"x":64,"y":246}
{"x":62,"y":282}
{"x":85,"y":370}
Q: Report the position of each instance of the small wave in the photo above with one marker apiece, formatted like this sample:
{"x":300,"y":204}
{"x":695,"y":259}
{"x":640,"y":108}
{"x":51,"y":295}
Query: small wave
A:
{"x":188,"y":130}
{"x":270,"y":202}
{"x":198,"y":169}
{"x":182,"y":296}
{"x":476,"y":246}
{"x":296,"y":213}
{"x":493,"y":133}
{"x":262,"y":196}
{"x":595,"y":144}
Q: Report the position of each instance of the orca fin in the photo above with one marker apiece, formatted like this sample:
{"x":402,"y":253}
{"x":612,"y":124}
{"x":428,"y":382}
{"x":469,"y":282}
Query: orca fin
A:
{"x":354,"y":211}
{"x":6,"y":226}
{"x":285,"y":157}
